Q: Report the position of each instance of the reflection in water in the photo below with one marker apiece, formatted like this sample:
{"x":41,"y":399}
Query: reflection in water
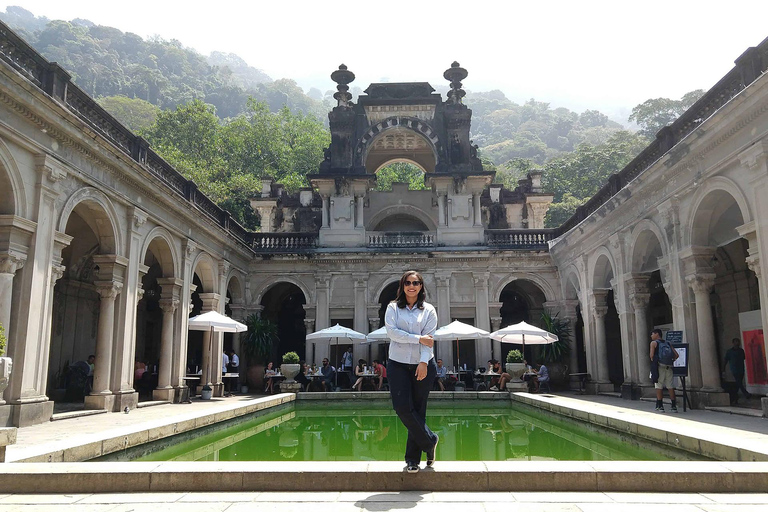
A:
{"x":305,"y":431}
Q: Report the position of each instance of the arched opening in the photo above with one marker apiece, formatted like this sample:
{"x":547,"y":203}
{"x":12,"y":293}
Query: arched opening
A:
{"x":284,"y":304}
{"x":76,"y":305}
{"x":612,"y":368}
{"x":158,"y":260}
{"x":735,"y":295}
{"x":521,"y":301}
{"x":7,"y":197}
{"x":400,"y":171}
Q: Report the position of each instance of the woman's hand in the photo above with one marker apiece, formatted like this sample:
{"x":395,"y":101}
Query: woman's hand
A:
{"x":427,"y":341}
{"x":421,"y":371}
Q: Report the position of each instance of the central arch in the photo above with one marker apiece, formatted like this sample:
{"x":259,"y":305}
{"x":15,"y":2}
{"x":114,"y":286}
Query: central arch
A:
{"x":399,"y":139}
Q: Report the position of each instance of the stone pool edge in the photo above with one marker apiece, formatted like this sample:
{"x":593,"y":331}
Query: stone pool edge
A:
{"x":530,"y":476}
{"x":713,"y":442}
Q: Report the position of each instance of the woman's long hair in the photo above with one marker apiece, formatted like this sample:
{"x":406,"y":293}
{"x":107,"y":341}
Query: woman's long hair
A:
{"x":401,"y":299}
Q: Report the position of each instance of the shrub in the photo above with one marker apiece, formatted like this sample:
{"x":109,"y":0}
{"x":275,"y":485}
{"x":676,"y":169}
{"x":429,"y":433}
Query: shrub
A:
{"x":514,"y":356}
{"x":290,"y":358}
{"x":3,"y":340}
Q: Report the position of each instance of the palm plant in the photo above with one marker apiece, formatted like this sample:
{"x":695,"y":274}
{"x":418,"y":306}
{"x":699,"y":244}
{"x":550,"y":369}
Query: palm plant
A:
{"x":259,"y":339}
{"x":556,"y":351}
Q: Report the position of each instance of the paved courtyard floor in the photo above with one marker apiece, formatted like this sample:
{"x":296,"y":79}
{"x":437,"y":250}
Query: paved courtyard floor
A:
{"x":377,"y":502}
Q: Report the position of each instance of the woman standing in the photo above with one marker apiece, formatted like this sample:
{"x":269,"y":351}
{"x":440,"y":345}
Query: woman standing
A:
{"x":411,"y":368}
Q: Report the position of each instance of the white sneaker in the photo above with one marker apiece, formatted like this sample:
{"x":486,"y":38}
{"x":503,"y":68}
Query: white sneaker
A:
{"x":494,"y":388}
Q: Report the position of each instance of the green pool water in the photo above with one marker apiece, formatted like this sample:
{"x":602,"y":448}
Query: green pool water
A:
{"x":304,"y":431}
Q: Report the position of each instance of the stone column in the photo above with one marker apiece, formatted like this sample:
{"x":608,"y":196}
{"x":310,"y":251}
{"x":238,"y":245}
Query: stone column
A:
{"x":9,"y":264}
{"x":361,"y":302}
{"x":309,"y":327}
{"x":324,"y":211}
{"x":640,"y":306}
{"x":483,"y":348}
{"x":164,"y":389}
{"x":323,"y":291}
{"x":494,"y":310}
{"x":100,"y":395}
{"x":441,"y":209}
{"x":600,"y":298}
{"x":359,"y":205}
{"x":710,"y":370}
{"x":478,"y":218}
{"x":210,"y":375}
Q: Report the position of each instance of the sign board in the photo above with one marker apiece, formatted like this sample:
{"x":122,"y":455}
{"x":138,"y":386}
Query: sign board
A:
{"x":680,"y":367}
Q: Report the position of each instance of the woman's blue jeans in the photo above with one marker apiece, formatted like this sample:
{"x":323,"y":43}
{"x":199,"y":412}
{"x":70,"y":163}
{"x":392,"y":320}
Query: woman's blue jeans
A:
{"x":409,"y":399}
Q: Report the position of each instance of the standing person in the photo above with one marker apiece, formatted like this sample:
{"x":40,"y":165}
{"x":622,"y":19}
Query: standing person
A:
{"x":734,"y":358}
{"x":347,"y":366}
{"x":233,"y":367}
{"x":411,"y":369}
{"x":663,"y":356}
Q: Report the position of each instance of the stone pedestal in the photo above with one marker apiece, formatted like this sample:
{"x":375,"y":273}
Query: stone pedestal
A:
{"x":631,"y":391}
{"x":122,"y":400}
{"x":99,"y":402}
{"x":290,"y":387}
{"x":32,"y":413}
{"x":517,"y":386}
{"x":701,"y":399}
{"x":166,"y":394}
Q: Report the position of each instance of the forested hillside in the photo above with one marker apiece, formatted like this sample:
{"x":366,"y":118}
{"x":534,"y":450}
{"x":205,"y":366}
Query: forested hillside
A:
{"x":226,"y":124}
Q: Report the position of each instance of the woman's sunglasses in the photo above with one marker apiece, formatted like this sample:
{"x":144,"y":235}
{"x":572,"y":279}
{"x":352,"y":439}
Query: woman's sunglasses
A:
{"x":412,"y":283}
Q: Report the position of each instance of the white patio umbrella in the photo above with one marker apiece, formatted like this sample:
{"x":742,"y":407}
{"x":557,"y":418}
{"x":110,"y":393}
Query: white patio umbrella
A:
{"x":214,"y":321}
{"x":379,"y":334}
{"x":458,"y":331}
{"x":523,"y":334}
{"x":337,"y":332}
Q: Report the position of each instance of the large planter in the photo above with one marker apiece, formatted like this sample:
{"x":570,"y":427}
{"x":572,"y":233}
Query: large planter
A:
{"x":6,"y":364}
{"x":515,"y":371}
{"x":290,"y":371}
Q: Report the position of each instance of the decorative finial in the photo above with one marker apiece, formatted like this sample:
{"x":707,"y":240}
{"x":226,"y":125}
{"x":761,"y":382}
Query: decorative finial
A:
{"x":343,"y":77}
{"x":455,"y":74}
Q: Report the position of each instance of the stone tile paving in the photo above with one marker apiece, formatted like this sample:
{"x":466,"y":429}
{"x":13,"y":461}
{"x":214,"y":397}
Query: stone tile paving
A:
{"x":374,"y":502}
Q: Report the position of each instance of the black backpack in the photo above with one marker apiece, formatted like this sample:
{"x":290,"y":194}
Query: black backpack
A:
{"x":666,"y":355}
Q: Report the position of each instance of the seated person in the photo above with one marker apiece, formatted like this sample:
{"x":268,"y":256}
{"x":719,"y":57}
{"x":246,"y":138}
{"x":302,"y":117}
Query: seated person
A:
{"x":138,"y":370}
{"x":380,"y":370}
{"x":302,"y":378}
{"x":499,"y":383}
{"x":269,"y":382}
{"x":359,"y":372}
{"x":542,"y":375}
{"x":441,"y":375}
{"x":329,"y":373}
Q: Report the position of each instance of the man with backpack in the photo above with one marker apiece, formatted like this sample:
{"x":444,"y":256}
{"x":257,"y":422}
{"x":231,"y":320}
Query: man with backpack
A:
{"x":663,"y":357}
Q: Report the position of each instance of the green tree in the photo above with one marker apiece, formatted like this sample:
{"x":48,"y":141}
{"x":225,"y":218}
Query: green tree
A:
{"x":136,"y":114}
{"x":400,"y":172}
{"x":560,"y":212}
{"x":654,"y":114}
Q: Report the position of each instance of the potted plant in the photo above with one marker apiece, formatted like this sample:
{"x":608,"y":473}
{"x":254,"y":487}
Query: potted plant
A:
{"x":256,"y":347}
{"x":555,"y":353}
{"x":5,"y":364}
{"x":515,"y":367}
{"x":290,"y":367}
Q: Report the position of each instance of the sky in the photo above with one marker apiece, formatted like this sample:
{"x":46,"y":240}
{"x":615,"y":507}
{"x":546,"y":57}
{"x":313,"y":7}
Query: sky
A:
{"x":588,"y":54}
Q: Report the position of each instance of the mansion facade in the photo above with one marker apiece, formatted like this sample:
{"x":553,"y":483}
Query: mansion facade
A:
{"x":105,"y":249}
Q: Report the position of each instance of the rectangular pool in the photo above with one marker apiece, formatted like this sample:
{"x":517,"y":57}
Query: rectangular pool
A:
{"x":370,"y":430}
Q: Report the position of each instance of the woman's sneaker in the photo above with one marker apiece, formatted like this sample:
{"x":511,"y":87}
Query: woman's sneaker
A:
{"x":431,"y":453}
